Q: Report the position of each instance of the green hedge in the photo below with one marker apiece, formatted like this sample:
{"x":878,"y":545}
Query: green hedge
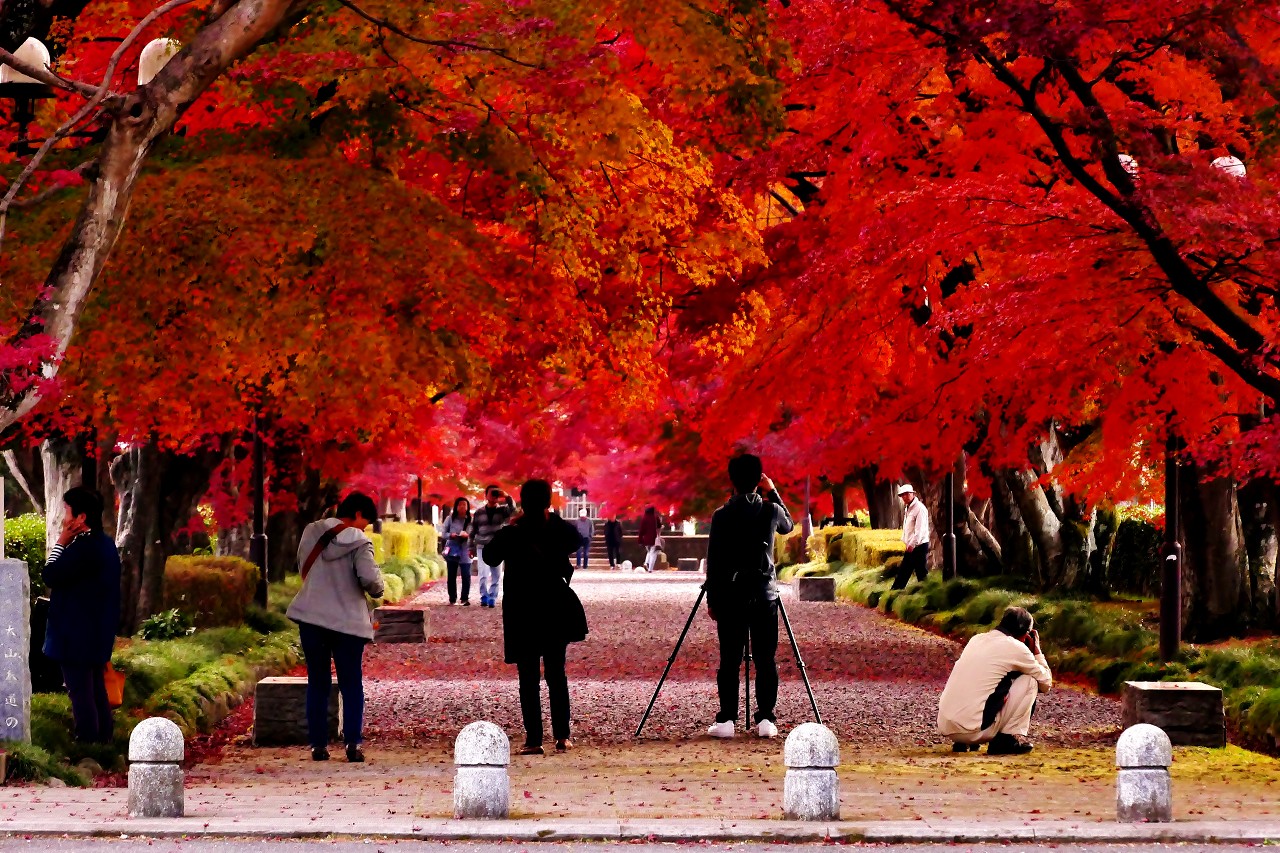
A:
{"x":24,"y":540}
{"x":213,"y":591}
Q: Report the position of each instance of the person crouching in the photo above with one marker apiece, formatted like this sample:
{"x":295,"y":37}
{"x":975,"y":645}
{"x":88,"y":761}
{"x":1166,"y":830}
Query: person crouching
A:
{"x":992,"y":689}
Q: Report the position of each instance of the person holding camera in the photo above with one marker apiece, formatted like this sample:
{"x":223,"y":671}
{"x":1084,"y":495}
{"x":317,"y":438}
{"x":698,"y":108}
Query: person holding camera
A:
{"x":485,"y":522}
{"x":992,"y":689}
{"x":742,"y":591}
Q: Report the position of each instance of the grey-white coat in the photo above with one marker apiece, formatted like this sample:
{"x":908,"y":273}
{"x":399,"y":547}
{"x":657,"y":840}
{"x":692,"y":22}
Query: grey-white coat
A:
{"x":332,"y":596}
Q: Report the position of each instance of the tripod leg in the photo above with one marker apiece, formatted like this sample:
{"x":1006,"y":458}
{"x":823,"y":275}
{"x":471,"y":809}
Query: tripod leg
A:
{"x":804,"y":673}
{"x":671,"y":660}
{"x":746,"y":656}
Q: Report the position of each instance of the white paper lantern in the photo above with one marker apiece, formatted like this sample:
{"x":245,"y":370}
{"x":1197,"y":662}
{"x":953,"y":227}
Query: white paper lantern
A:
{"x":32,"y":52}
{"x":1233,"y":166}
{"x":153,"y":58}
{"x":1129,"y":164}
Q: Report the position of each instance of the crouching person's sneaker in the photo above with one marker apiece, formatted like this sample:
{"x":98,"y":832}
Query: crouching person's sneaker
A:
{"x":1003,"y":744}
{"x":767,"y":728}
{"x":724,"y":729}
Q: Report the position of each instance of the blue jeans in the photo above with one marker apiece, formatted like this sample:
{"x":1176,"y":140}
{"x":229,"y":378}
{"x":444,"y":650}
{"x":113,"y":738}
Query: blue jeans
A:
{"x":319,"y":646}
{"x":582,"y":556}
{"x":488,"y":579}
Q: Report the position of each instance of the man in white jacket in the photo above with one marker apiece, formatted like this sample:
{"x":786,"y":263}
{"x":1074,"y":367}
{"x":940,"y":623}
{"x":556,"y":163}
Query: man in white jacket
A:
{"x":992,"y":690}
{"x":915,"y":538}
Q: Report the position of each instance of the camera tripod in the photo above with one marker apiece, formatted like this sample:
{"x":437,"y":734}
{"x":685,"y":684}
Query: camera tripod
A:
{"x":795,"y":649}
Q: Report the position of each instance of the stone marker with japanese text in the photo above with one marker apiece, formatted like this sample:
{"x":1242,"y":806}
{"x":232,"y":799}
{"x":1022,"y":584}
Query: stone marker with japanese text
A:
{"x":15,"y":646}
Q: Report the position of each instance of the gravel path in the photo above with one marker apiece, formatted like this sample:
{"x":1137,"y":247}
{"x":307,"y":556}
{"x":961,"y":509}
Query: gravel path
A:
{"x":876,"y":680}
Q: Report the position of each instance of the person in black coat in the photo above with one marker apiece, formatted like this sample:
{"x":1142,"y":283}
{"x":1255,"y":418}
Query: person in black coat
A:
{"x":540,"y":613}
{"x":83,"y":576}
{"x":613,"y":541}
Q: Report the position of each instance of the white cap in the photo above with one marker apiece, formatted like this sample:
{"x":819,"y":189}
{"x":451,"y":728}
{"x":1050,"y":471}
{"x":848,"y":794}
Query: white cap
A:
{"x":906,"y":489}
{"x":582,"y":513}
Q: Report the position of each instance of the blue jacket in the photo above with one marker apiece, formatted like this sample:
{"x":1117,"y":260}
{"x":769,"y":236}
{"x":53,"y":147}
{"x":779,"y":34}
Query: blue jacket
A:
{"x":84,"y":600}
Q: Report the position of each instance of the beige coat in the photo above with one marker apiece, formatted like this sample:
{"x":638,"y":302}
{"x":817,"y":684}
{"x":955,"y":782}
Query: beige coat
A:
{"x":986,"y":659}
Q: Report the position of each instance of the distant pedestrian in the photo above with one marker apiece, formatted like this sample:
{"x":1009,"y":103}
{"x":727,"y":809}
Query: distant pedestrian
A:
{"x":915,"y":538}
{"x":587,"y":530}
{"x":649,"y":536}
{"x":541,"y":614}
{"x":455,"y":532}
{"x":83,"y":577}
{"x":742,"y":592}
{"x":992,"y":690}
{"x":485,"y":522}
{"x":613,"y":541}
{"x":335,"y":558}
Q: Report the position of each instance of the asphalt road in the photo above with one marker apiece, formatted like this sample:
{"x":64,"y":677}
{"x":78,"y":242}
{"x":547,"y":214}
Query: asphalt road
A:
{"x":71,"y":845}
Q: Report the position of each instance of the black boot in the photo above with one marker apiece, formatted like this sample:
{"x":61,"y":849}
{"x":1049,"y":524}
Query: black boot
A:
{"x":1003,"y":744}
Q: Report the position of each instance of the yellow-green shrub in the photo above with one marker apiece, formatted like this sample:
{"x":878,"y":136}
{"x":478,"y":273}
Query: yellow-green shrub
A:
{"x":405,"y":540}
{"x":868,"y":548}
{"x":211,"y":590}
{"x":379,"y":555}
{"x":789,"y":548}
{"x":825,"y":541}
{"x":393,"y":588}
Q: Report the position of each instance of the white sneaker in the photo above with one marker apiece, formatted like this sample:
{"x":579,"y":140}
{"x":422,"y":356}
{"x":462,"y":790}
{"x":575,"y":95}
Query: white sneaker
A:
{"x":767,"y":729}
{"x":724,"y":729}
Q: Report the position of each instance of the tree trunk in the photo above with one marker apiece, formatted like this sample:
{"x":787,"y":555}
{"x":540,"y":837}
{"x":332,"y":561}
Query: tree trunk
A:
{"x":25,"y":468}
{"x":1260,"y":513}
{"x":1217,"y":601}
{"x":883,"y":504}
{"x":839,"y":506}
{"x":60,"y":459}
{"x":158,"y":491}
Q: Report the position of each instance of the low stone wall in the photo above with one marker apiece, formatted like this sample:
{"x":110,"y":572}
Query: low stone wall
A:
{"x":675,"y":547}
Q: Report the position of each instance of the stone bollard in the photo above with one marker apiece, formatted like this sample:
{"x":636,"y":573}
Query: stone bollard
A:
{"x":481,"y":788}
{"x":1144,"y":790}
{"x":811,"y":790}
{"x":155,"y":775}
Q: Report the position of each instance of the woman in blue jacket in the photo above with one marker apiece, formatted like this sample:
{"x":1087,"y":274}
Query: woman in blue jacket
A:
{"x":83,"y":576}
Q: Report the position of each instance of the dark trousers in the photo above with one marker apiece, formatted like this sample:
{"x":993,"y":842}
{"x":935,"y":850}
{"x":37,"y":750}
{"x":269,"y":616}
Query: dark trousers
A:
{"x":531,"y":695}
{"x":615,"y":553}
{"x":459,"y":566}
{"x":584,"y":552}
{"x":89,"y":708}
{"x":319,"y":647}
{"x":916,"y":561}
{"x":759,"y":621}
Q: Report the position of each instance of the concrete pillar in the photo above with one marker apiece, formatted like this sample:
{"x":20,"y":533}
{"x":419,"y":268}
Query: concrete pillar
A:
{"x":811,"y":790}
{"x":481,"y":788}
{"x":1144,"y":789}
{"x":156,"y":750}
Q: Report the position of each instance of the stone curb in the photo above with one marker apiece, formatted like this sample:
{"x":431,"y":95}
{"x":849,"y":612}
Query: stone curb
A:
{"x":671,"y":830}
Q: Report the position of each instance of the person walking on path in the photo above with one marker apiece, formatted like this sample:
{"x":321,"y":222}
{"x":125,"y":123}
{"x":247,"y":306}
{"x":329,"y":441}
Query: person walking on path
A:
{"x":541,"y":614}
{"x":587,"y":530}
{"x":83,"y":577}
{"x":742,"y":591}
{"x":915,"y":537}
{"x":992,"y":689}
{"x":613,"y":541}
{"x":485,"y":522}
{"x":650,"y":525}
{"x":454,"y":530}
{"x":335,"y":558}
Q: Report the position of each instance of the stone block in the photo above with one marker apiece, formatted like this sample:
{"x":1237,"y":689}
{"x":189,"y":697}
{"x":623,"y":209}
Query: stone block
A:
{"x":1189,"y":712}
{"x":155,"y":790}
{"x":811,"y":790}
{"x":15,"y":651}
{"x":816,"y":589}
{"x":400,"y":625}
{"x":1143,"y":796}
{"x":687,"y":564}
{"x":481,"y":787}
{"x":280,"y":711}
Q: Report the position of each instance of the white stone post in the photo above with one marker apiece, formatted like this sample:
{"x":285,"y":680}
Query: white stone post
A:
{"x":481,"y":788}
{"x":1144,"y":789}
{"x":811,"y":790}
{"x":156,"y":749}
{"x":15,"y":650}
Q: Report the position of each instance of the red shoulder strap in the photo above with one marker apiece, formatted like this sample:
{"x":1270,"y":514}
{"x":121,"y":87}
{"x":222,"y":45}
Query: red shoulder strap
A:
{"x":321,"y":543}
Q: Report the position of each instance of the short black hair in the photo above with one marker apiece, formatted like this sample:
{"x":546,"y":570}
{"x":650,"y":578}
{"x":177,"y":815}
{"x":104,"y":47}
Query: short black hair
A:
{"x":85,"y":501}
{"x":535,"y":496}
{"x":358,"y":503}
{"x":745,"y":471}
{"x":1016,"y":622}
{"x":490,"y":489}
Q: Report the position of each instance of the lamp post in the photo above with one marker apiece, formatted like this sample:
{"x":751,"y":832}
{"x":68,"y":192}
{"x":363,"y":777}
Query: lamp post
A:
{"x":154,"y":57}
{"x":420,"y":521}
{"x":258,"y":544}
{"x":949,"y":537}
{"x":25,"y":91}
{"x":1171,"y":570}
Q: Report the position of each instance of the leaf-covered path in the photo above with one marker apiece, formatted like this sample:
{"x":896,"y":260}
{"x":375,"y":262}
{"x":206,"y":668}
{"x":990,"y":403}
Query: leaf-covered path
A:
{"x":876,"y":680}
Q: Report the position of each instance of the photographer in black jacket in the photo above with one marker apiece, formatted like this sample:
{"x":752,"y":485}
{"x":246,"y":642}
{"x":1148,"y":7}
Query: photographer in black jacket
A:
{"x":742,"y":591}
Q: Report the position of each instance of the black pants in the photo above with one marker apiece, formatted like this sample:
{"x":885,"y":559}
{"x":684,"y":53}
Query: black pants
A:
{"x":319,"y":647}
{"x":916,"y":561}
{"x":88,"y":691}
{"x":459,"y":566}
{"x":615,"y":553}
{"x":552,"y":661}
{"x":759,"y":621}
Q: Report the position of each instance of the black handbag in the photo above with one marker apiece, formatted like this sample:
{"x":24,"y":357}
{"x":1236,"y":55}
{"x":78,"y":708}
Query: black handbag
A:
{"x":569,"y":613}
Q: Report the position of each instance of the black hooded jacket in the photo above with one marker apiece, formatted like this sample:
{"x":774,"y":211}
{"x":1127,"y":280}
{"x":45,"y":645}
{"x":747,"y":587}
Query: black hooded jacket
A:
{"x":740,"y":550}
